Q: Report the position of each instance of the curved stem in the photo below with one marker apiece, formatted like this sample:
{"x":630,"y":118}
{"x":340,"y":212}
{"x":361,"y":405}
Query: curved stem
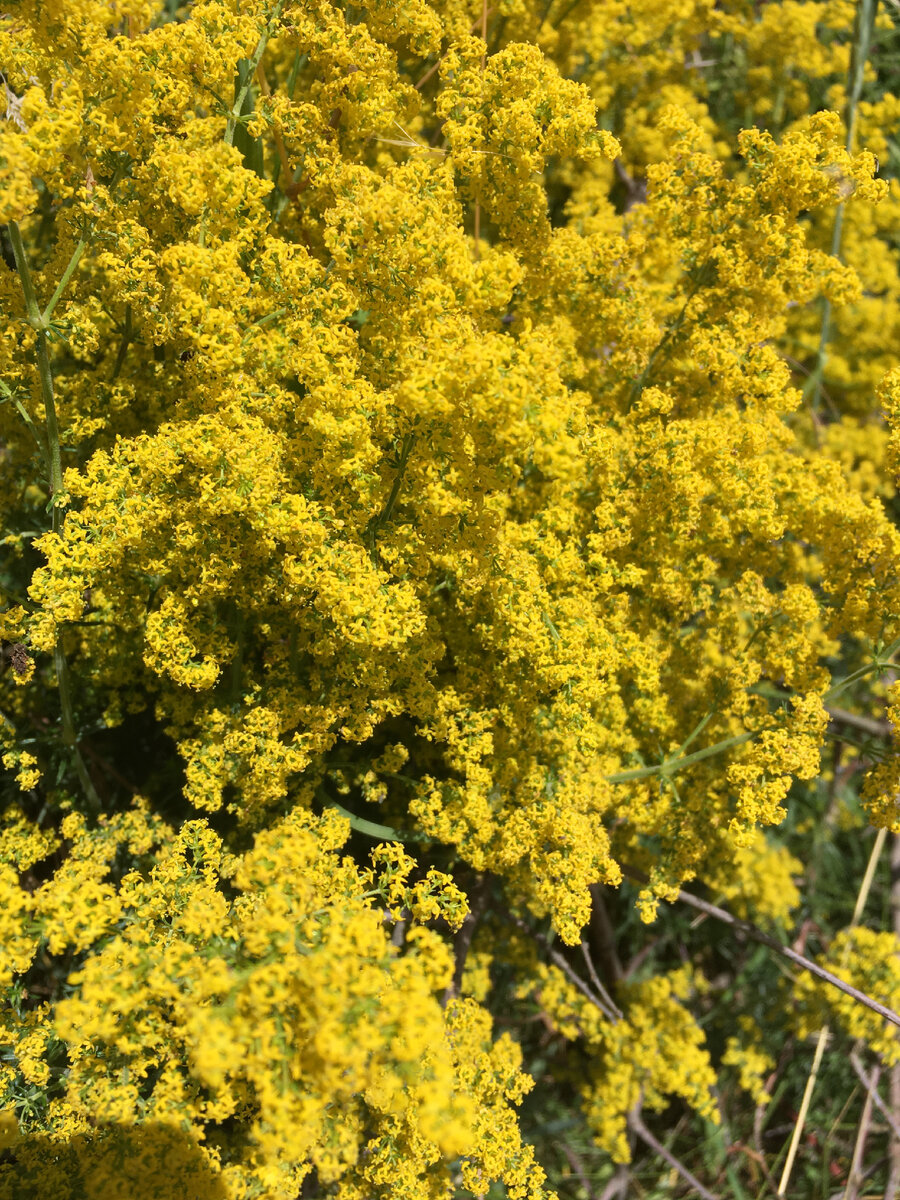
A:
{"x":384,"y":833}
{"x":235,"y":114}
{"x":758,"y":935}
{"x":672,"y":765}
{"x":865,"y":21}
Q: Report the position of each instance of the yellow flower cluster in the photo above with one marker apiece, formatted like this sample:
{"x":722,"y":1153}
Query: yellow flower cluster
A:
{"x":219,"y":993}
{"x":870,"y":962}
{"x":751,"y":1062}
{"x":653,"y":1052}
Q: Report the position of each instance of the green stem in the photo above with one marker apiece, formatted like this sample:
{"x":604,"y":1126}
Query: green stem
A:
{"x":9,"y":394}
{"x":882,"y":661}
{"x":566,"y":12}
{"x":385,"y":515}
{"x":862,"y":33}
{"x":70,"y":735}
{"x":398,"y":479}
{"x":40,"y":323}
{"x":127,"y":338}
{"x":237,"y":665}
{"x":642,"y":380}
{"x":267,"y":319}
{"x":66,"y":276}
{"x":672,"y":765}
{"x":698,"y":729}
{"x":234,"y":115}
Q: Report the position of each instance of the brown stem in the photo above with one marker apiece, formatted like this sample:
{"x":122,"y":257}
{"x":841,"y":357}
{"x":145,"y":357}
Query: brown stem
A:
{"x":604,"y":936}
{"x":870,"y":1082}
{"x":578,"y":1167}
{"x":867,"y":724}
{"x":647,"y":1137}
{"x":596,"y":981}
{"x":855,"y":1174}
{"x":611,"y":1013}
{"x":757,"y":935}
{"x":463,"y":941}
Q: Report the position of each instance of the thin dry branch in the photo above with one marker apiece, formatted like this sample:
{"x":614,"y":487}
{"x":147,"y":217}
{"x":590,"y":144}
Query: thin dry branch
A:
{"x":861,"y":899}
{"x":595,"y":979}
{"x":647,"y":1137}
{"x":578,"y":1167}
{"x":559,"y":960}
{"x":869,"y":725}
{"x":757,"y":935}
{"x":870,"y":1083}
{"x":463,"y":941}
{"x":855,"y":1175}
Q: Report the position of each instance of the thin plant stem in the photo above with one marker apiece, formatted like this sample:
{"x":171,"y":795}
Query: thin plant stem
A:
{"x":276,"y":128}
{"x":870,"y":1083}
{"x":881,"y":660}
{"x":40,"y":323}
{"x":861,"y":898}
{"x":611,"y":1013}
{"x":637,"y":387}
{"x":557,"y":21}
{"x":235,"y":113}
{"x":804,"y":1109}
{"x":382,"y":833}
{"x":266,"y":320}
{"x":476,"y":224}
{"x":604,"y":935}
{"x":70,"y":734}
{"x":672,"y":765}
{"x":385,"y":515}
{"x":127,"y":338}
{"x":855,"y":1174}
{"x":578,"y":1167}
{"x":26,"y":417}
{"x":398,"y":478}
{"x":65,"y":277}
{"x":862,"y":33}
{"x":892,"y":1188}
{"x":436,"y":65}
{"x":867,"y":724}
{"x":463,"y":941}
{"x":657,"y":1147}
{"x":595,"y":980}
{"x":758,"y":935}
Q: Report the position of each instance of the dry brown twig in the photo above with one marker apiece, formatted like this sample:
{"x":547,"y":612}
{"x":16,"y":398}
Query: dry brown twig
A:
{"x":861,"y":898}
{"x":657,"y":1147}
{"x":757,"y":935}
{"x":870,"y":1083}
{"x":611,"y":1013}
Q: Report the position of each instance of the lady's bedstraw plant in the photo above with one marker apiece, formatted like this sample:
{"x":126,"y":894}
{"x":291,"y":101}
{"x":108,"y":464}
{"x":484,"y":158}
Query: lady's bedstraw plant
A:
{"x":334,"y":512}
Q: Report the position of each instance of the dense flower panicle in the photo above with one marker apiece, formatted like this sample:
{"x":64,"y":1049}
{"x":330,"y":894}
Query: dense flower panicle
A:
{"x":870,"y":962}
{"x":426,"y":416}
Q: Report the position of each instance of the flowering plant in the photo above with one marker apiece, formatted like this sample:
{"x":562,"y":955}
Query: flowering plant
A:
{"x":448,"y":473}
